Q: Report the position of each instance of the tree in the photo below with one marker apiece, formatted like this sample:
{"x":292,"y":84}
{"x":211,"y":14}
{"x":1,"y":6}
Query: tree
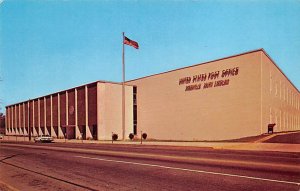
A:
{"x":2,"y":123}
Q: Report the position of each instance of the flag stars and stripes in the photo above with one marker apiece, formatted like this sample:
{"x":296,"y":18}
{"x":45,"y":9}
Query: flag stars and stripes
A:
{"x":131,"y":42}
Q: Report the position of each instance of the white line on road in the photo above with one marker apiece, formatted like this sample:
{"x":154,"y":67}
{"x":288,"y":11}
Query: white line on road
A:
{"x":191,"y":170}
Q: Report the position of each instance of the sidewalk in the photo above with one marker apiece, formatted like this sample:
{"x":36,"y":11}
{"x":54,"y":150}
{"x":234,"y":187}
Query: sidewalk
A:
{"x":275,"y":147}
{"x":270,"y":136}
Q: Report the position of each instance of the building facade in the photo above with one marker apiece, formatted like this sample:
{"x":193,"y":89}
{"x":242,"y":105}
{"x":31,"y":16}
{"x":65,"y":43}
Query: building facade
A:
{"x":228,"y":98}
{"x":89,"y":112}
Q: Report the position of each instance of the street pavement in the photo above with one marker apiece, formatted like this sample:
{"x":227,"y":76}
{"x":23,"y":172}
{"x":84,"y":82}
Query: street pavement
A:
{"x":71,"y":166}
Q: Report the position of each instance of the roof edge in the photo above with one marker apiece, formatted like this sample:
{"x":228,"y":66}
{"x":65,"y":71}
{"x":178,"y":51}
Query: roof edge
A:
{"x":279,"y":69}
{"x":61,"y":91}
{"x":224,"y":58}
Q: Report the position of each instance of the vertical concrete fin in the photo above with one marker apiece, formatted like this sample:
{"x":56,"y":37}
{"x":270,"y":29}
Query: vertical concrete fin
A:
{"x":87,"y":129}
{"x":39,"y":117}
{"x":33,"y":119}
{"x":60,"y":132}
{"x":45,"y":116}
{"x":77,"y":131}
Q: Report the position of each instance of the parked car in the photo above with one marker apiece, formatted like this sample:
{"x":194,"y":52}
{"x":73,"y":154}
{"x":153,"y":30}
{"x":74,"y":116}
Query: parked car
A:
{"x":1,"y":136}
{"x":43,"y":139}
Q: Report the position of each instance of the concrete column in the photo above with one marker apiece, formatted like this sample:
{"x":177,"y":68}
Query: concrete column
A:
{"x":45,"y":117}
{"x":67,"y":111}
{"x":24,"y":117}
{"x":39,"y":117}
{"x":77,"y":131}
{"x":7,"y":123}
{"x":15,"y":120}
{"x":60,"y":133}
{"x":7,"y":128}
{"x":67,"y":108}
{"x":28,"y":116}
{"x":12,"y":120}
{"x":16,"y":117}
{"x":6,"y":117}
{"x":33,"y":120}
{"x":7,"y":120}
{"x":20,"y":116}
{"x":87,"y":129}
{"x":53,"y":133}
{"x":18,"y":122}
{"x":10,"y":124}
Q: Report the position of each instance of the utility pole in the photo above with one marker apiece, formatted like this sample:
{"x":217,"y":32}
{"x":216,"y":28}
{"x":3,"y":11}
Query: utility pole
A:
{"x":123,"y":89}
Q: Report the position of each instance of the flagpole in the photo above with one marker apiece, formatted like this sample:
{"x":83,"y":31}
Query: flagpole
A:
{"x":123,"y":89}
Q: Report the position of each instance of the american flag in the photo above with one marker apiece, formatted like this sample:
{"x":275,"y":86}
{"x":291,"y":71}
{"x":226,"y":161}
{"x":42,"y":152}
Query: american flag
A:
{"x":131,"y":42}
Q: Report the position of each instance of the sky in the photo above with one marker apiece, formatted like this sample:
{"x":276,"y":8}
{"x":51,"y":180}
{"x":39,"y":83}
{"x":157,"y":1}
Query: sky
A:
{"x":48,"y":46}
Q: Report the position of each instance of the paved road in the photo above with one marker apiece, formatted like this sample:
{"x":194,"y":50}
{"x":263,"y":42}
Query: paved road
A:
{"x":137,"y":167}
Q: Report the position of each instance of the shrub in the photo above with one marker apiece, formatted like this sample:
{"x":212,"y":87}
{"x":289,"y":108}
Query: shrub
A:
{"x":114,"y":137}
{"x":144,"y":135}
{"x":131,"y":136}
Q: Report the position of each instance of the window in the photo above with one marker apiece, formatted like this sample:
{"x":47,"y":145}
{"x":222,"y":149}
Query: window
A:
{"x":280,"y":89}
{"x":270,"y":82}
{"x":280,"y":125}
{"x":283,"y":92}
{"x":276,"y":89}
{"x":134,"y":110}
{"x":270,"y":115}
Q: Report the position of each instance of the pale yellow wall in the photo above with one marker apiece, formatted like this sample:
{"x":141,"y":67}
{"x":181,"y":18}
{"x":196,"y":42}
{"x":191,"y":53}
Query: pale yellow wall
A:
{"x":110,"y":110}
{"x":167,"y":112}
{"x":128,"y":111}
{"x":100,"y":110}
{"x":281,"y":100}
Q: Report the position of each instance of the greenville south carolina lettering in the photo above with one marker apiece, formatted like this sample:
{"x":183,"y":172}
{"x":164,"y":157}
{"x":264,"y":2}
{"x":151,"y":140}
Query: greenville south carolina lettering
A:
{"x":208,"y":80}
